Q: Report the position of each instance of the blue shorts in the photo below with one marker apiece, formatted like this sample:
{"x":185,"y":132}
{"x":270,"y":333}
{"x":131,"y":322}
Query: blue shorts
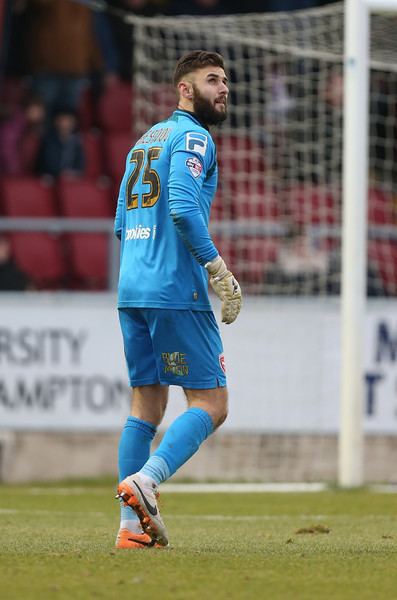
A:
{"x":172,"y":347}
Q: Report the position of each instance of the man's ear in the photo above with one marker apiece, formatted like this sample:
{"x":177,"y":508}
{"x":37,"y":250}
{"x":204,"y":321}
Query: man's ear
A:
{"x":185,"y":89}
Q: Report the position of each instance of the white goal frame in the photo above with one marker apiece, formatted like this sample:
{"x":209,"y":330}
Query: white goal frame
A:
{"x":354,"y":234}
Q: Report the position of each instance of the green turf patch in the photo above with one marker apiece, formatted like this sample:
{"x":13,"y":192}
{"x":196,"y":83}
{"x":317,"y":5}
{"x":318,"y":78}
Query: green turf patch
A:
{"x":57,"y":541}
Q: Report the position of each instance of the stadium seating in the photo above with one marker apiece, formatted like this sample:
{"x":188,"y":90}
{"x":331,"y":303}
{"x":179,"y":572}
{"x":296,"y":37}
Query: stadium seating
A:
{"x":87,"y":252}
{"x":93,"y":153}
{"x":382,"y":254}
{"x":381,"y":210}
{"x":221,"y":207}
{"x":115,"y":108}
{"x":41,"y":257}
{"x":88,"y":255}
{"x":310,"y":204}
{"x":83,"y":198}
{"x":117,"y":146}
{"x":253,"y":257}
{"x":239,"y":157}
{"x":253,"y":200}
{"x":226,"y":248}
{"x":164,"y":102}
{"x":38,"y":254}
{"x":86,"y":110}
{"x":27,"y":197}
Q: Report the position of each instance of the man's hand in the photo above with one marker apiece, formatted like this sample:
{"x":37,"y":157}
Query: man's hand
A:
{"x":226,"y":287}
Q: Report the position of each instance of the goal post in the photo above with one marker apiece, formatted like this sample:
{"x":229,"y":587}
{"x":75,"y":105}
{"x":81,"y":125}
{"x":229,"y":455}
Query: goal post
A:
{"x":354,"y":234}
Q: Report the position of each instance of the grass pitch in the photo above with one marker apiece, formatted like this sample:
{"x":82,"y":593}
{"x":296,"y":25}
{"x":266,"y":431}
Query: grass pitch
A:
{"x":57,"y":542}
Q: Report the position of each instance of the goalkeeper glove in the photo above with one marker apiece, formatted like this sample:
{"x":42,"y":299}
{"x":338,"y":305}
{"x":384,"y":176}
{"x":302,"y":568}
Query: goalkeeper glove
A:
{"x":226,"y":287}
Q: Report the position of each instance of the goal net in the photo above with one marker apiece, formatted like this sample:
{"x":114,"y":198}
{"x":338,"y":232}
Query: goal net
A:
{"x":277,"y":214}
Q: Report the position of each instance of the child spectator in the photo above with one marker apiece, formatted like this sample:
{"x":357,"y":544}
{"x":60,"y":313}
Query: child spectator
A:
{"x":61,"y":152}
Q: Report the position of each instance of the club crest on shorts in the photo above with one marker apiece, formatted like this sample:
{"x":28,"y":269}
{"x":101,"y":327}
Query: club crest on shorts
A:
{"x":194,"y":166}
{"x":222,"y":362}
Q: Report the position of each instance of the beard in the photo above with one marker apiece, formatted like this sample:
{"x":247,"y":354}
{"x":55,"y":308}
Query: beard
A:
{"x":205,"y":111}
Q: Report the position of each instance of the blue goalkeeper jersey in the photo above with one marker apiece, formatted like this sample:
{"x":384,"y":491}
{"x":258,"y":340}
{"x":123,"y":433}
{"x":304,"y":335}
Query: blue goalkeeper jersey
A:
{"x":162,"y":216}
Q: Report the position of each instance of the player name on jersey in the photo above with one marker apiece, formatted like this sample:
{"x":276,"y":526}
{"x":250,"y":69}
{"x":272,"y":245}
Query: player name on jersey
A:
{"x":154,"y":135}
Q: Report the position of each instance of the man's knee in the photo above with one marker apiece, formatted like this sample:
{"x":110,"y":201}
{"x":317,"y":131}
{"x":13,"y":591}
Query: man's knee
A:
{"x":213,"y":401}
{"x":149,"y":402}
{"x":222,"y":414}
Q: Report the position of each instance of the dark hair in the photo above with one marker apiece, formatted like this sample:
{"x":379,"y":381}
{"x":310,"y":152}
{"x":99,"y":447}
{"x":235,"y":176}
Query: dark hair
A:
{"x":192,"y":61}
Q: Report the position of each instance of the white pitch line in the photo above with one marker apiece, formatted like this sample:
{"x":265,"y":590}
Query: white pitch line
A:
{"x":238,"y":518}
{"x":241,"y":488}
{"x":66,"y":491}
{"x":192,"y":488}
{"x":388,"y":488}
{"x":247,"y":518}
{"x":206,"y":488}
{"x":45,"y":513}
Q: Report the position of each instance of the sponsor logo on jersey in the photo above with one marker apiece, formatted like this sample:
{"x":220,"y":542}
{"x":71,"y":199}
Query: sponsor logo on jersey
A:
{"x":195,"y":167}
{"x":196,"y":142}
{"x":175,"y":363}
{"x":140,"y":233}
{"x":222,"y":362}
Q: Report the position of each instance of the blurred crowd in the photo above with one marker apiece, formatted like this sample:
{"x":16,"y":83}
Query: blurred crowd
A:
{"x":59,"y":57}
{"x":67,"y":50}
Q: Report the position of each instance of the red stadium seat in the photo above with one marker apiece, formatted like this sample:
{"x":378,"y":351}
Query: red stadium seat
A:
{"x":164,"y":102}
{"x":383,"y":255}
{"x":252,"y":200}
{"x":117,"y":146}
{"x":226,"y":248}
{"x":93,"y":154}
{"x":115,"y":108}
{"x":381,"y":210}
{"x":221,"y":207}
{"x":254,"y":254}
{"x":27,"y":197}
{"x":89,"y":256}
{"x":87,"y":252}
{"x":86,"y":110}
{"x":84,"y":198}
{"x":41,"y":257}
{"x":239,"y":156}
{"x":312,"y":204}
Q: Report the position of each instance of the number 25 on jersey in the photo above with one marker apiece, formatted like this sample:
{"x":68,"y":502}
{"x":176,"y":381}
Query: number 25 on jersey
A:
{"x":142,"y":159}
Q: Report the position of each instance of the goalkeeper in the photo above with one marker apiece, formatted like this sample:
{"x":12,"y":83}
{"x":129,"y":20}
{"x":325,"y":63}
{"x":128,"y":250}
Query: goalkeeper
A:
{"x":169,"y":331}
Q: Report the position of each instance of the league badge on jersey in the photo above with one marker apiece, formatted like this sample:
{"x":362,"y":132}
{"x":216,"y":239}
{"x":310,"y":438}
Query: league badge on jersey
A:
{"x":196,"y":142}
{"x":195,"y":167}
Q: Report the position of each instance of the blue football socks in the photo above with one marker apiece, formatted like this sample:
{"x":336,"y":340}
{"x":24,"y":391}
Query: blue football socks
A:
{"x":181,"y":440}
{"x":134,"y":451}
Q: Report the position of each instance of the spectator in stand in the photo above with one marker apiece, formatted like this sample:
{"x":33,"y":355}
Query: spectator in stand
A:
{"x":20,"y":137}
{"x":12,"y":279}
{"x":123,"y":33}
{"x":61,"y":152}
{"x":109,"y":49}
{"x":62,"y":51}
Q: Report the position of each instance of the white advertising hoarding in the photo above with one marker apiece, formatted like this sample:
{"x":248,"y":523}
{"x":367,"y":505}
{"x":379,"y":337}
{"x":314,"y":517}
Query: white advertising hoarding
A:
{"x":62,"y":365}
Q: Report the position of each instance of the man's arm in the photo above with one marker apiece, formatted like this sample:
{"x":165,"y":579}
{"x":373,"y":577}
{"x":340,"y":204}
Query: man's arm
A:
{"x":185,"y":186}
